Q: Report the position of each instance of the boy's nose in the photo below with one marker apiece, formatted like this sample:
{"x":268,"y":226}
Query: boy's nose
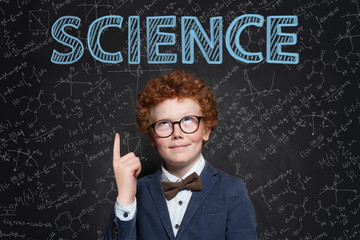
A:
{"x":178,"y":133}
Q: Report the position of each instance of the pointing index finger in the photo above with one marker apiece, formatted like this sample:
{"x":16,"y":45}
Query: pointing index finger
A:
{"x":116,"y":150}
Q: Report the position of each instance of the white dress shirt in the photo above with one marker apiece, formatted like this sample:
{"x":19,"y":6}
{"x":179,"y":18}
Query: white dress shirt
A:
{"x":176,"y":206}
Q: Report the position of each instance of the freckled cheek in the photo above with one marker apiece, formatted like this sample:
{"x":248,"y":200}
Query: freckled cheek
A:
{"x":196,"y":137}
{"x":160,"y":143}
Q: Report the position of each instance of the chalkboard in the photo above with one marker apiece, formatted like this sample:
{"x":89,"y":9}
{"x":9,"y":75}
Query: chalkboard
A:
{"x":290,"y":131}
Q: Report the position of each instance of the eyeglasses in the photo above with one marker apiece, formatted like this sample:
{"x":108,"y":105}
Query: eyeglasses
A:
{"x":188,"y":124}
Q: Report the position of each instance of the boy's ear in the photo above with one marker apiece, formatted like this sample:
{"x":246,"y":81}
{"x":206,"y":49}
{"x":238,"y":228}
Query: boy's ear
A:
{"x":206,"y":133}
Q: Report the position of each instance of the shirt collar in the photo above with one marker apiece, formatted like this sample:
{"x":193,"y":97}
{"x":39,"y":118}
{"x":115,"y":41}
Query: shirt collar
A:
{"x":198,"y":167}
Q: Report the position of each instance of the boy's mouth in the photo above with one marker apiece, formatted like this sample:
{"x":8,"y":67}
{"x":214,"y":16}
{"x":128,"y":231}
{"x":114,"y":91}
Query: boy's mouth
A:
{"x":179,"y":146}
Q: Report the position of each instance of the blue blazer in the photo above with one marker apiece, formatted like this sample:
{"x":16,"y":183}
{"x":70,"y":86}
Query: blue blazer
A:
{"x":221,"y":210}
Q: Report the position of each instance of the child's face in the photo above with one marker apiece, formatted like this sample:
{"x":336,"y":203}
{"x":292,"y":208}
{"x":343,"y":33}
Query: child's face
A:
{"x":179,"y":150}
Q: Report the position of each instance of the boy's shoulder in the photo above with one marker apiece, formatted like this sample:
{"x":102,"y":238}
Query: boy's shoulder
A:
{"x":228,"y":179}
{"x":232,"y":187}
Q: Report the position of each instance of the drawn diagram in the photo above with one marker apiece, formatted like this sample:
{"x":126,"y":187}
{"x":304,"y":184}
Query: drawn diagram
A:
{"x":39,"y":20}
{"x":72,"y":172}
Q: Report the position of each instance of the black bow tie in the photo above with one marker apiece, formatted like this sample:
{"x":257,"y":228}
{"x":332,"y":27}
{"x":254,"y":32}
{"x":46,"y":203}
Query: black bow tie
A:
{"x":192,"y":182}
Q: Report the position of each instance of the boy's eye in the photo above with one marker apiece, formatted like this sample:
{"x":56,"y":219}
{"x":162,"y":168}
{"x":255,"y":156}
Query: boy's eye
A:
{"x":188,"y":119}
{"x":163,"y":124}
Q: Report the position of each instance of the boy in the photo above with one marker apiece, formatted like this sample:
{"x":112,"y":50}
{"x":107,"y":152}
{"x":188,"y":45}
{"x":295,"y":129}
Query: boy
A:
{"x":177,"y":112}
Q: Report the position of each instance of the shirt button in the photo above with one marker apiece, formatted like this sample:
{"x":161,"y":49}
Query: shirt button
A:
{"x":125,"y":215}
{"x":177,"y":226}
{"x":180,"y":203}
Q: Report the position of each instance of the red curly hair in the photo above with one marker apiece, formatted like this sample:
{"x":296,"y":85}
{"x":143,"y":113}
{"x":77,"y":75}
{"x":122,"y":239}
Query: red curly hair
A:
{"x":176,"y":84}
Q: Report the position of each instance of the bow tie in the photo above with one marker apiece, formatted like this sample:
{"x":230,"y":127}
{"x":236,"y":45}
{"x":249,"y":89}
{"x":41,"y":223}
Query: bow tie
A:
{"x":192,"y":182}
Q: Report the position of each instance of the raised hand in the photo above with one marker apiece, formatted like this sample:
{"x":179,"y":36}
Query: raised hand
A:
{"x":126,"y":170}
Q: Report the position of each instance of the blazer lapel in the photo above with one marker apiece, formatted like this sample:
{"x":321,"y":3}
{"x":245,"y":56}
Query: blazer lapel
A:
{"x":158,"y":197}
{"x":208,"y":180}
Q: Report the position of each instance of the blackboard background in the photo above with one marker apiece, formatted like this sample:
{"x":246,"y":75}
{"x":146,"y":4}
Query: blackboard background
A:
{"x":290,"y":131}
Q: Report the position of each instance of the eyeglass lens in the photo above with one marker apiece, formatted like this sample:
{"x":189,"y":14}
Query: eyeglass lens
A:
{"x":188,"y":124}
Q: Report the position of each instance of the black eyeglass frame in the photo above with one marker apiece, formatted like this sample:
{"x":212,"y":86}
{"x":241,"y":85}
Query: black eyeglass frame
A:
{"x":177,"y":122}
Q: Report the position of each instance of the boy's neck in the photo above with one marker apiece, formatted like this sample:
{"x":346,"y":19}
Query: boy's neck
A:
{"x":179,"y":171}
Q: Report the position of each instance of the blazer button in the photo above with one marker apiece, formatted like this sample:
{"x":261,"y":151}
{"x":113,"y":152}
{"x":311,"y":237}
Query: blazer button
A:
{"x":177,"y":226}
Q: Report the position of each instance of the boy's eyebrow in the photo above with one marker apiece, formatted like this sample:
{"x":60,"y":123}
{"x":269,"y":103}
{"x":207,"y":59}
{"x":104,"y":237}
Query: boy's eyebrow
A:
{"x":188,"y":114}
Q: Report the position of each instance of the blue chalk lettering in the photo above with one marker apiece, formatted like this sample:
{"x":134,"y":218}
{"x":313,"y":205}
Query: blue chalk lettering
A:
{"x":211,"y":49}
{"x":94,"y":34}
{"x":134,"y":40}
{"x":155,"y":38}
{"x":232,"y":38}
{"x":58,"y":33}
{"x":276,"y":39}
{"x":209,"y":42}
